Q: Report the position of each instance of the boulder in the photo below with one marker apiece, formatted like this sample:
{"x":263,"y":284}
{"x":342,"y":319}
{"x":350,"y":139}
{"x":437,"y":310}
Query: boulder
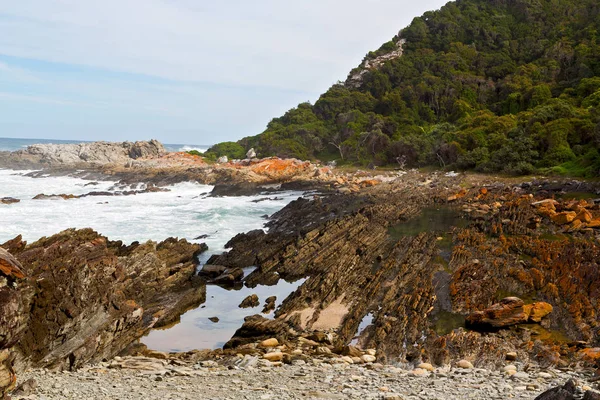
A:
{"x":509,"y":311}
{"x":223,"y":160}
{"x":269,"y":304}
{"x":251,"y":154}
{"x":563,"y":218}
{"x":250,"y":302}
{"x":212,"y":271}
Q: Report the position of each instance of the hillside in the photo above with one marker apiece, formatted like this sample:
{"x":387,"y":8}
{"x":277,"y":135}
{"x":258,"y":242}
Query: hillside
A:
{"x":487,"y":85}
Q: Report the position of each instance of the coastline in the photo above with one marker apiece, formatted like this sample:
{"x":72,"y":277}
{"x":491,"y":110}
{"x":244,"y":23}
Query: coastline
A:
{"x":351,"y":243}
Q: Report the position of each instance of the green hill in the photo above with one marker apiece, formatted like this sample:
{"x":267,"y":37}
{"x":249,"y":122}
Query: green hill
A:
{"x":486,"y":85}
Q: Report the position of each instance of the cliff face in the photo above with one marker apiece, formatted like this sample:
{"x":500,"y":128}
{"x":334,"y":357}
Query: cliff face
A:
{"x":88,"y":298}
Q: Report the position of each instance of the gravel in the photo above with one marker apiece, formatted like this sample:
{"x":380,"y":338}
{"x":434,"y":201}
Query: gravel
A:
{"x":312,"y":380}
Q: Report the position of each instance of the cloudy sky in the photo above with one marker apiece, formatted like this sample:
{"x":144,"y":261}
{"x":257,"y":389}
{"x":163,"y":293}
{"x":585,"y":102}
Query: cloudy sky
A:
{"x":181,"y":71}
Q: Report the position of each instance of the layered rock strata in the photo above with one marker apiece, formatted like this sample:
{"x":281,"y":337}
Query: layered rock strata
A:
{"x":88,"y":298}
{"x":375,"y":254}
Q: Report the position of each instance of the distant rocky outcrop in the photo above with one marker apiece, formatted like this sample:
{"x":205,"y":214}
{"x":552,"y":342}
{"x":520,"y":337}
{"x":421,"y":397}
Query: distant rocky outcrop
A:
{"x":93,"y":153}
{"x":87,"y":298}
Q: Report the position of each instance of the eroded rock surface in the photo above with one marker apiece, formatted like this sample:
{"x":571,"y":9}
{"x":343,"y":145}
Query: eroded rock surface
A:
{"x":381,"y":253}
{"x":89,"y":297}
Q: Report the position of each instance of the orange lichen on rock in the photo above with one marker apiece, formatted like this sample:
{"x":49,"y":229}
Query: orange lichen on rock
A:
{"x":537,"y":311}
{"x":458,"y":195}
{"x":563,"y":218}
{"x":276,"y":168}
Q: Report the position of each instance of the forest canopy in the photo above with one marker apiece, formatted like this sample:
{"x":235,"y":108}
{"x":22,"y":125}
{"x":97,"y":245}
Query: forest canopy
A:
{"x":488,"y":85}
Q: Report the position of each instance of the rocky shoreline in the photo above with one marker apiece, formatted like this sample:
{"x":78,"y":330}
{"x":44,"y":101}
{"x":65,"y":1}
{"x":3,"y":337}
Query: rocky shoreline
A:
{"x":461,"y":277}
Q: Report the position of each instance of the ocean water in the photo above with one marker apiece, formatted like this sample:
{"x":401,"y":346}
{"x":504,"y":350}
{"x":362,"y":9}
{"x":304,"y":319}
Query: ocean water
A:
{"x":13,"y":144}
{"x":184,"y":212}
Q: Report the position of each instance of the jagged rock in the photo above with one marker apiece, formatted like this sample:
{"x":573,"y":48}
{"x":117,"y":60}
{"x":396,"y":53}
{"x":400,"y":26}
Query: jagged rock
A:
{"x":251,"y":154}
{"x":13,"y":316}
{"x":510,"y":311}
{"x":250,"y":302}
{"x":90,"y":297}
{"x":269,"y":304}
{"x":565,"y":392}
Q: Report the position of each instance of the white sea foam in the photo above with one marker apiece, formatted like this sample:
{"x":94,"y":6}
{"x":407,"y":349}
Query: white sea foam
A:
{"x":191,"y":148}
{"x":184,"y":212}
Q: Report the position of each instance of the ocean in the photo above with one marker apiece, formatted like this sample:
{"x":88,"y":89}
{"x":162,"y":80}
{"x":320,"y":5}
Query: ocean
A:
{"x":13,"y":144}
{"x":184,"y":212}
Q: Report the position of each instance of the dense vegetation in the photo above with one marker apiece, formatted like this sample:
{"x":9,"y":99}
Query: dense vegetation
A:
{"x":488,"y":85}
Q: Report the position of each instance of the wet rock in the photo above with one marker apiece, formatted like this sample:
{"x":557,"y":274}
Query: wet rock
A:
{"x":258,"y":328}
{"x":212,"y":271}
{"x":269,"y":304}
{"x":214,"y":319}
{"x":229,"y":276}
{"x":9,"y":200}
{"x":250,"y":302}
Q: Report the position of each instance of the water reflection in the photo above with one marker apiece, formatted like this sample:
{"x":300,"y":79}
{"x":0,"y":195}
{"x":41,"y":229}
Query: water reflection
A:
{"x":196,"y":331}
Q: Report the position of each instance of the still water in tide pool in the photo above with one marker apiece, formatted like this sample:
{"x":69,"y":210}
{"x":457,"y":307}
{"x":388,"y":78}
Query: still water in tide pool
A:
{"x":184,"y":212}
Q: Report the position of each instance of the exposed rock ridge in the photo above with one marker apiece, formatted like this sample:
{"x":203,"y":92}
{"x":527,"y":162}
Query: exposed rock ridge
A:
{"x":89,"y":298}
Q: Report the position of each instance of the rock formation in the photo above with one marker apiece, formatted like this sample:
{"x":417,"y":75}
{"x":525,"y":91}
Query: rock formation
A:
{"x":400,"y":252}
{"x":89,"y":298}
{"x":13,"y":316}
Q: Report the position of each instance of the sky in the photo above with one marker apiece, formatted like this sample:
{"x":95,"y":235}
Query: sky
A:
{"x":180,"y":71}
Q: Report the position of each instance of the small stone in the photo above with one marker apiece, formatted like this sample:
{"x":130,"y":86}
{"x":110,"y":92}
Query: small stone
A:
{"x":512,"y":356}
{"x":464,"y":364}
{"x":274,"y":356}
{"x":520,"y":375}
{"x":214,"y":319}
{"x":272,"y":342}
{"x":509,"y":367}
{"x":419,"y":372}
{"x":347,"y":360}
{"x":368,"y":358}
{"x":426,"y":367}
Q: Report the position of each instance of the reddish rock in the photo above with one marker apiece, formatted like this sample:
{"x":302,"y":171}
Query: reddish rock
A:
{"x":509,"y":311}
{"x":584,"y":216}
{"x":563,"y":218}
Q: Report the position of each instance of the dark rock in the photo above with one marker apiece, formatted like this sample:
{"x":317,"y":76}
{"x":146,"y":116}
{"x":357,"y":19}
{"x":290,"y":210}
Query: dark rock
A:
{"x":257,"y":328}
{"x":250,"y":302}
{"x":9,"y":200}
{"x":212,"y":271}
{"x":229,"y":276}
{"x":591,"y":395}
{"x":214,"y":319}
{"x":566,"y":392}
{"x":269,"y":304}
{"x":239,"y":189}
